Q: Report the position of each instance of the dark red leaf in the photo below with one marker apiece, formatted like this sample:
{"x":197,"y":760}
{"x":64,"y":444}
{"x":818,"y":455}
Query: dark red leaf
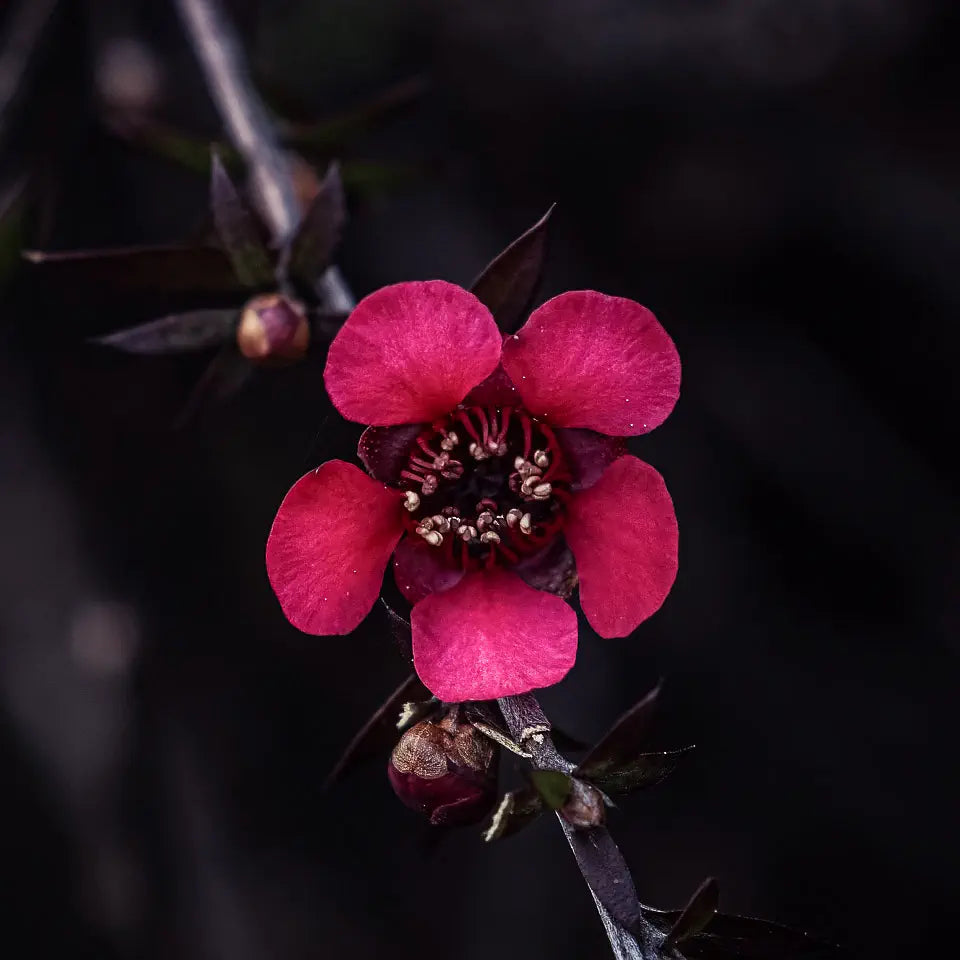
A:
{"x":745,"y":938}
{"x":137,"y":281}
{"x":696,"y":914}
{"x":621,"y":743}
{"x":178,"y":333}
{"x":237,"y":230}
{"x":643,"y":770}
{"x":508,"y":283}
{"x":312,"y":246}
{"x":380,"y":733}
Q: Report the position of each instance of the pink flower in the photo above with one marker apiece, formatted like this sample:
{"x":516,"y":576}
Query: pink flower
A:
{"x":489,"y":457}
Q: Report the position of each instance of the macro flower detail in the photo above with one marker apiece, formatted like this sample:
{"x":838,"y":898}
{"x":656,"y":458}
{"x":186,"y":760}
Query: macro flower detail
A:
{"x":445,"y":769}
{"x":499,"y":476}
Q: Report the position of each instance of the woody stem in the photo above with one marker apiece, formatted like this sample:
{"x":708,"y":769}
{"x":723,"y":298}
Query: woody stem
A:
{"x":217,"y":47}
{"x":530,"y":728}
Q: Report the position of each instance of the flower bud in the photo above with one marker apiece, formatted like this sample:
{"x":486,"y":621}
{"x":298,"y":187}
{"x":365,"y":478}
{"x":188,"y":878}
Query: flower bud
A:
{"x":273,"y":329}
{"x":584,"y":807}
{"x":446,"y":770}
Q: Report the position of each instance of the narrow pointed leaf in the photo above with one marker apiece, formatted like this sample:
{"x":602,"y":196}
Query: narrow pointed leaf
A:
{"x":507,"y":285}
{"x":516,"y":810}
{"x":605,"y":870}
{"x":318,"y":234}
{"x":227,"y":372}
{"x":696,"y":914}
{"x":642,"y":771}
{"x":621,"y":742}
{"x":729,"y":937}
{"x":178,"y":333}
{"x":381,"y":732}
{"x":553,"y":786}
{"x":91,"y":278}
{"x":237,"y":230}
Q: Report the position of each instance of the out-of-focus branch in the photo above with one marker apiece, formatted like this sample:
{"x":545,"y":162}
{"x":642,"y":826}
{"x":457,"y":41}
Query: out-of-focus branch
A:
{"x":251,"y":129}
{"x":530,"y":728}
{"x":25,"y":26}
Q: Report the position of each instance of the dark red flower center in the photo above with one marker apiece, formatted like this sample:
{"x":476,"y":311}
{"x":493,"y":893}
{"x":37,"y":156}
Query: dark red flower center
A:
{"x":486,"y":485}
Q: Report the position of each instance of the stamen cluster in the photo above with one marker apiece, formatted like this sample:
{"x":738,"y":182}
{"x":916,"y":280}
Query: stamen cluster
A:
{"x":486,"y":484}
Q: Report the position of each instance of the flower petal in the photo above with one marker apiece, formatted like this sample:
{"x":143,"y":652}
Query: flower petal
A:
{"x":492,"y":636}
{"x":330,"y":543}
{"x":584,"y":359}
{"x":411,"y":352}
{"x":384,"y":451}
{"x":623,"y":534}
{"x":419,"y":570}
{"x":588,"y":454}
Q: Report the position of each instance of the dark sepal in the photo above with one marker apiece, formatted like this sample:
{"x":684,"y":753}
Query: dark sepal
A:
{"x":622,"y":741}
{"x":178,"y":333}
{"x":643,"y":770}
{"x":698,"y":912}
{"x":226,"y":373}
{"x":516,"y":810}
{"x":605,"y":870}
{"x":507,"y":285}
{"x":588,"y":454}
{"x":319,"y":232}
{"x":237,"y":230}
{"x":400,"y":628}
{"x":384,"y":451}
{"x":745,"y":938}
{"x":552,"y":569}
{"x":380,"y":733}
{"x":114,"y":279}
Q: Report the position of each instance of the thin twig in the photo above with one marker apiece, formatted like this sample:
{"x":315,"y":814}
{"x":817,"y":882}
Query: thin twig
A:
{"x":530,"y":728}
{"x":251,"y":129}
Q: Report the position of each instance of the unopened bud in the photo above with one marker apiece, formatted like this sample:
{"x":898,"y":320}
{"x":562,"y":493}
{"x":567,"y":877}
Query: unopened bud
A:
{"x":273,"y":329}
{"x":446,"y":770}
{"x":584,"y":807}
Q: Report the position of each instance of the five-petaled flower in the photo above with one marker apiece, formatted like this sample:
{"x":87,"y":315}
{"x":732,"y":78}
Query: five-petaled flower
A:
{"x":491,"y":458}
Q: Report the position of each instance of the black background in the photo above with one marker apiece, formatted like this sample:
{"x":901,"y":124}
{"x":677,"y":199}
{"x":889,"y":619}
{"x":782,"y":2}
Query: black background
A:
{"x":778,"y":182}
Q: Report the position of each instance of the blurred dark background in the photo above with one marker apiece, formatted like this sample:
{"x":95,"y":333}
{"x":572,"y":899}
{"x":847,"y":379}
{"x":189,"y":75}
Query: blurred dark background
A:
{"x":778,"y":180}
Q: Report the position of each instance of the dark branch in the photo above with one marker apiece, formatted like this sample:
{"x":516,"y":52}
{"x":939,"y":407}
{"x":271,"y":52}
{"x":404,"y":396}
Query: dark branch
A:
{"x":530,"y":728}
{"x":251,"y":130}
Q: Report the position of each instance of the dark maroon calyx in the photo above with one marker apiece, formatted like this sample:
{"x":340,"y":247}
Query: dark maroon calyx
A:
{"x":445,"y":769}
{"x":486,"y":486}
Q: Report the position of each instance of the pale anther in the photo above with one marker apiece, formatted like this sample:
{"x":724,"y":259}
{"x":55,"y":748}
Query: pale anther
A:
{"x":433,"y":538}
{"x":441,"y":523}
{"x":513,"y":517}
{"x":540,"y":458}
{"x":411,"y":500}
{"x":526,"y":523}
{"x":542,"y":491}
{"x":490,"y":536}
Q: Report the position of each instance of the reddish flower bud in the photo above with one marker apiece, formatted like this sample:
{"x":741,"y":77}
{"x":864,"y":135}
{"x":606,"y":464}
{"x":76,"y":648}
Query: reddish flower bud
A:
{"x":584,"y":807}
{"x":273,"y":329}
{"x":446,"y":770}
